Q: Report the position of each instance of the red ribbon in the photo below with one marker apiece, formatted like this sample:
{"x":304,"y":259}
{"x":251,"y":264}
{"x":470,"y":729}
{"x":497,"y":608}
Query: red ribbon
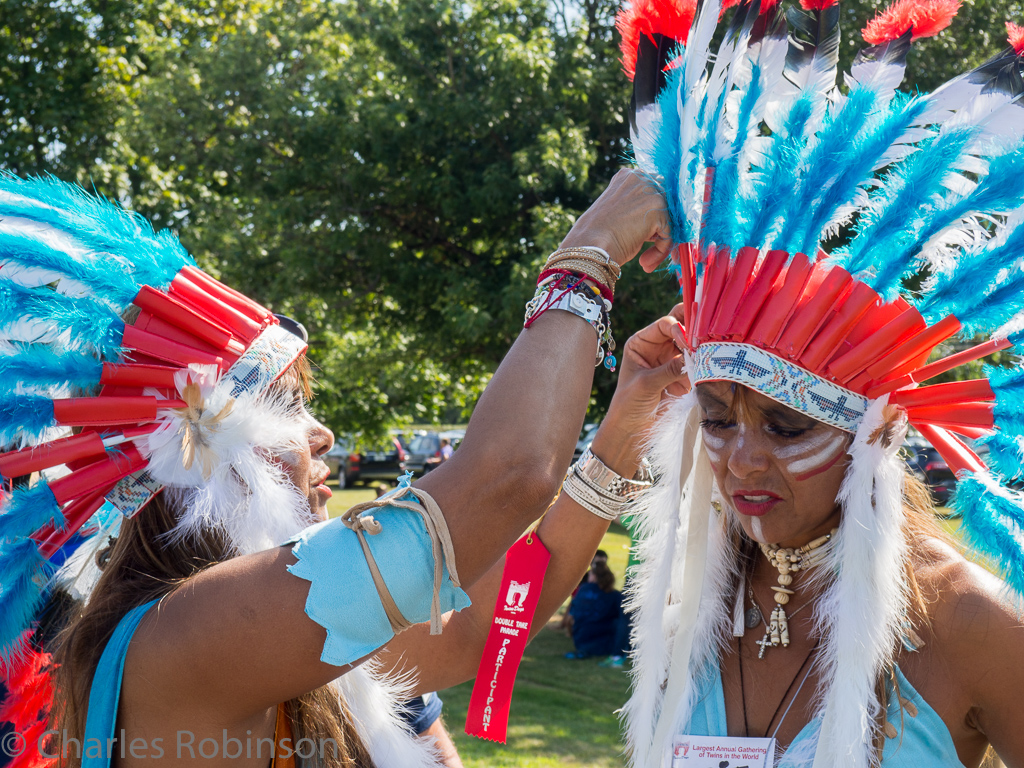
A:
{"x":521,"y":583}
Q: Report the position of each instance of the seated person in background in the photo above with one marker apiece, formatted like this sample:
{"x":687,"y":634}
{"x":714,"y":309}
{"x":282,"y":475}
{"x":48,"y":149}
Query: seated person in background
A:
{"x":565,"y":625}
{"x":595,"y":612}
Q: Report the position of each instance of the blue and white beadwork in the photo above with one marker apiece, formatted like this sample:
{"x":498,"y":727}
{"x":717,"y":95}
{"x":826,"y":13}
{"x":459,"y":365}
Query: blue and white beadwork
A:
{"x":780,"y":380}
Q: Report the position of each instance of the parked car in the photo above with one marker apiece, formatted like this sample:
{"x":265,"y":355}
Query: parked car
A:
{"x":425,"y":449}
{"x":384,"y":462}
{"x":929,"y":467}
{"x":343,"y":461}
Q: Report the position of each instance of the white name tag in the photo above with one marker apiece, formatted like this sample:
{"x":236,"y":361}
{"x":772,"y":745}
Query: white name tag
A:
{"x":721,"y":752}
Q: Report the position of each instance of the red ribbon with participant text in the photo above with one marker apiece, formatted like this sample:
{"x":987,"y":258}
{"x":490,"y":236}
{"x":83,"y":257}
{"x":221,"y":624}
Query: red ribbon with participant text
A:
{"x":521,"y":582}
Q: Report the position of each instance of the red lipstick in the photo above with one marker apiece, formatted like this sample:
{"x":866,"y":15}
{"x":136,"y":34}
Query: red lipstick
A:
{"x":754,"y":503}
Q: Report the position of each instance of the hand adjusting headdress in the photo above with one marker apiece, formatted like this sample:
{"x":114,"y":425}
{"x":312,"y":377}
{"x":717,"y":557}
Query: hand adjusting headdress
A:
{"x":125,"y":369}
{"x":804,"y":215}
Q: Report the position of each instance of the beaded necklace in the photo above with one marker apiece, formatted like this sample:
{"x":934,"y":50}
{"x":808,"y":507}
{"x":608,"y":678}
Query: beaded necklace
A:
{"x":789,"y":560}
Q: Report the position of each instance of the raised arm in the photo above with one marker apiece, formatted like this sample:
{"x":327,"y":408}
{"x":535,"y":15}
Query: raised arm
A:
{"x":523,"y":431}
{"x":651,"y":370}
{"x":251,"y":634}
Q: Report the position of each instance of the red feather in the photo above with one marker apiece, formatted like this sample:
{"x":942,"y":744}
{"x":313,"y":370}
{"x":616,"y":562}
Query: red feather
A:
{"x":671,"y":18}
{"x":1015,"y":34}
{"x":29,"y":698}
{"x":817,"y":5}
{"x":32,"y":757}
{"x":924,"y":17}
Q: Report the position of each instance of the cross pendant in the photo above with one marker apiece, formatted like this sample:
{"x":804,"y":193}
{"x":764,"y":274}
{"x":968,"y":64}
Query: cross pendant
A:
{"x":764,"y":642}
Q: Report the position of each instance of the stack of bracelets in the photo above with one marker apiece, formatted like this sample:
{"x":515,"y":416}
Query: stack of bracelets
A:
{"x":581,"y":281}
{"x":600,"y":490}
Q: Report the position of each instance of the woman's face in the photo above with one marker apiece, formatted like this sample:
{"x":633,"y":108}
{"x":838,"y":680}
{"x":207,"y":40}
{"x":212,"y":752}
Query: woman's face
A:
{"x":306,"y":468}
{"x":779,"y":470}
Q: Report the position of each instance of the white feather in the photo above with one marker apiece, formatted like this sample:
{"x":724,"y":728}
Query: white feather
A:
{"x":879,"y":76}
{"x":657,"y":514}
{"x":34,"y":277}
{"x":247,"y":493}
{"x":861,"y":613}
{"x":648,"y":123}
{"x":376,"y":702}
{"x":691,"y":96}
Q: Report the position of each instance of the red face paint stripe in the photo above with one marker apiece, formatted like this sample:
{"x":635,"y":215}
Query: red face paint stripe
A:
{"x":823,"y":468}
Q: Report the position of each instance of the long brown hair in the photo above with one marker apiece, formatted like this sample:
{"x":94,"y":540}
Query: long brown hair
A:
{"x":144,"y":564}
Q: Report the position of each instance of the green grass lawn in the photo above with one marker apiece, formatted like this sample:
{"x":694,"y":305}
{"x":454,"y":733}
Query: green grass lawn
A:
{"x":563,"y":712}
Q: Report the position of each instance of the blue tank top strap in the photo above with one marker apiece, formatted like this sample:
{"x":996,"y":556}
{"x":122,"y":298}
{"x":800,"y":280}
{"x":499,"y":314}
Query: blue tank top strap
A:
{"x":101,"y":719}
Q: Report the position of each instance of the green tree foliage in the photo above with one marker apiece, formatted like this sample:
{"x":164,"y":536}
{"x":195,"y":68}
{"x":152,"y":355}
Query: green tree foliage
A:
{"x":391,"y":172}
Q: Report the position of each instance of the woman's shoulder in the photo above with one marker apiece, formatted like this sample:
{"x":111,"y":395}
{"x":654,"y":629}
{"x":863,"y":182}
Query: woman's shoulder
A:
{"x":971,"y":617}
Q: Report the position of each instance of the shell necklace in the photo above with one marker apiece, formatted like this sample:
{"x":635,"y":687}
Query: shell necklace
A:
{"x":789,"y":560}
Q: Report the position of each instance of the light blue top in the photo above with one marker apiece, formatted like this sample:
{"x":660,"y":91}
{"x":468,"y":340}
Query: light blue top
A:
{"x":105,"y":693}
{"x":925,"y":740}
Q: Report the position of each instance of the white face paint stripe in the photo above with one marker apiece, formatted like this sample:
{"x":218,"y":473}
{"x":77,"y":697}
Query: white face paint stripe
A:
{"x":801,"y":466}
{"x":755,"y":525}
{"x":801,"y":448}
{"x":713,"y":444}
{"x":713,"y":441}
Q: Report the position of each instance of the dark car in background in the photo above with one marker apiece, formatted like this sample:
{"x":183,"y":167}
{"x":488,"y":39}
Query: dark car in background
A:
{"x":384,"y":462}
{"x":343,"y":462}
{"x":425,"y":449}
{"x":929,"y":467}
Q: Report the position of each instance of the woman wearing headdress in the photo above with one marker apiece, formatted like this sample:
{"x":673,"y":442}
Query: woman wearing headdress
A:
{"x":795,"y":586}
{"x":167,"y":414}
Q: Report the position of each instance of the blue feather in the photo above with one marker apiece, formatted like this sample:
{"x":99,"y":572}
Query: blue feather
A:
{"x":757,"y":212}
{"x":24,"y":415}
{"x":109,"y":284}
{"x":27,"y":510}
{"x":885,"y":228}
{"x":999,"y":191}
{"x":668,"y":155}
{"x":97,"y":224}
{"x":1005,"y":453}
{"x":23,"y":574}
{"x":1008,"y":386}
{"x":834,"y":179}
{"x":86,"y":324}
{"x":822,"y":160}
{"x":993,"y":521}
{"x":35,"y":366}
{"x":967,"y":292}
{"x":720,"y":224}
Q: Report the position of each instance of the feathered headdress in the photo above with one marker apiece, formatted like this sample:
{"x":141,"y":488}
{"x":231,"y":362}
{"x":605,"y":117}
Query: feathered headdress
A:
{"x":125,"y":369}
{"x":800,"y":210}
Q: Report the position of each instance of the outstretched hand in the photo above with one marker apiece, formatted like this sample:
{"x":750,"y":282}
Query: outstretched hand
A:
{"x":629,"y":213}
{"x":653,"y":368}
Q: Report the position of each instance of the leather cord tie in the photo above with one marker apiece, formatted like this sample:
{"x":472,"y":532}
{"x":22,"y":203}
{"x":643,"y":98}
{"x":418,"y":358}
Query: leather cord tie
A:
{"x":440,"y":540}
